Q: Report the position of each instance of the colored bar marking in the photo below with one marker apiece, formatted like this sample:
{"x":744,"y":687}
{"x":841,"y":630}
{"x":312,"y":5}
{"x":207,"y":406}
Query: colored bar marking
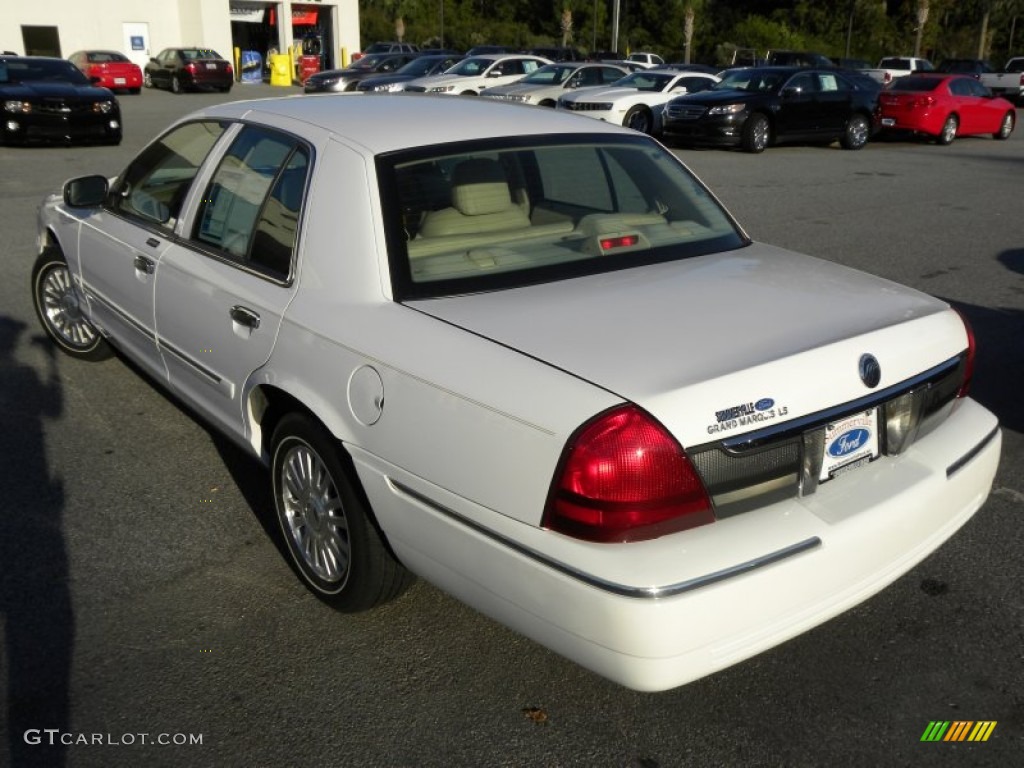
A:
{"x":982,"y":730}
{"x":935,"y":730}
{"x":959,"y":730}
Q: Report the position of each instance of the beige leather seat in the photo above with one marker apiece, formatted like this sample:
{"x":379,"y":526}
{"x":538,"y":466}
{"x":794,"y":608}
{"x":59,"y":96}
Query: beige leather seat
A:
{"x":481,"y":202}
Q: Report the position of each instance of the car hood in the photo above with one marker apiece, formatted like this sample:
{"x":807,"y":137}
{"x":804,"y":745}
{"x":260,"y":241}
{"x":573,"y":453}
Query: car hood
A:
{"x":514,"y":88}
{"x":690,"y":339}
{"x":597,"y":92}
{"x":52,"y":90}
{"x":725,"y":96}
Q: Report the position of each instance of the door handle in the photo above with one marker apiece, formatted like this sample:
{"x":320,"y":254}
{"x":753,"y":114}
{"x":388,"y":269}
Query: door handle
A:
{"x":245,"y":317}
{"x":152,"y":242}
{"x":142,"y":264}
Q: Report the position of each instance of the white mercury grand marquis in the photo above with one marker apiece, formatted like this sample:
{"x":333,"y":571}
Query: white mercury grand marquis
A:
{"x":493,"y":352}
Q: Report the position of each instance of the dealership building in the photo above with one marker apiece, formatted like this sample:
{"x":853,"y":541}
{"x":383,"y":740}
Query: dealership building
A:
{"x":247,"y":32}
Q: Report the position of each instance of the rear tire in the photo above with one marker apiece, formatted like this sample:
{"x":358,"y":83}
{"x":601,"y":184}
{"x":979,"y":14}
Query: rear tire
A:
{"x":176,"y":85}
{"x":948,"y":132}
{"x":1005,"y":127}
{"x":58,"y":308}
{"x":331,"y":539}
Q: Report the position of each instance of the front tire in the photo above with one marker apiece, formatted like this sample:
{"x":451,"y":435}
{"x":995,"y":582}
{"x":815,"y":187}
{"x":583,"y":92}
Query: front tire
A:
{"x":1005,"y":127}
{"x":856,"y":133}
{"x":58,"y":308}
{"x":639,"y":118}
{"x":331,"y":539}
{"x":147,"y":80}
{"x":756,"y":133}
{"x":948,"y":132}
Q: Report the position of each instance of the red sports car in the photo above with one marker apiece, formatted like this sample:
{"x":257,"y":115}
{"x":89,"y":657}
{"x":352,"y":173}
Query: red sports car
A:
{"x":944,"y":107}
{"x":114,"y":70}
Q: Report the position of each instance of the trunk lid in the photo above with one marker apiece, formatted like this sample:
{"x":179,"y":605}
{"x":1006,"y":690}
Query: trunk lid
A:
{"x":692,"y":340}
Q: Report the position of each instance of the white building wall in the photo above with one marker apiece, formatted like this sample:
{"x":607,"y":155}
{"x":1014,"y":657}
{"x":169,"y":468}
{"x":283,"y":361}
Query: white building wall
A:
{"x":98,"y":23}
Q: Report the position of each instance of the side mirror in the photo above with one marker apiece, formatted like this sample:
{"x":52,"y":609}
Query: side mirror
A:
{"x":86,"y":191}
{"x":153,"y":60}
{"x":791,"y":92}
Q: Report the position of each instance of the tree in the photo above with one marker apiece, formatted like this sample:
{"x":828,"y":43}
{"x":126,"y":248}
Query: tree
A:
{"x":922,"y":18}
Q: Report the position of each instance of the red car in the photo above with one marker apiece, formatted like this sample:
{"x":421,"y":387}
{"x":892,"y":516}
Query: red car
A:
{"x":114,"y":70}
{"x":944,"y":107}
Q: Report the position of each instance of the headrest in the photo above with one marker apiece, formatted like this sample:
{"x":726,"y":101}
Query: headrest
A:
{"x":479,"y":186}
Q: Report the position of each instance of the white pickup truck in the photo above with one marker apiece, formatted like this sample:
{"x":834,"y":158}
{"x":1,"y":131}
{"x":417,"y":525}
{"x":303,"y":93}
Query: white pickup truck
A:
{"x":892,"y":67}
{"x":1009,"y":83}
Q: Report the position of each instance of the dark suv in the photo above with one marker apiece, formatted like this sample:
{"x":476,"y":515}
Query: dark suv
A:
{"x":754,"y":107}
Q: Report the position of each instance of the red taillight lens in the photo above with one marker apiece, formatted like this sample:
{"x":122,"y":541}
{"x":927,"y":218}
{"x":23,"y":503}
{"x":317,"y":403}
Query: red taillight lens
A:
{"x":191,"y":67}
{"x":965,"y":386}
{"x":623,"y":477}
{"x":229,"y":69}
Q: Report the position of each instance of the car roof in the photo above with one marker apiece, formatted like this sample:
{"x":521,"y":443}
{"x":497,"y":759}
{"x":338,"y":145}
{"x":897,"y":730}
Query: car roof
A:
{"x":380,"y":122}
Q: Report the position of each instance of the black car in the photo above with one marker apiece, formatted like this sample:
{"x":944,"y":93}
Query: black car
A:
{"x":347,"y":79}
{"x":187,"y":69}
{"x":973,"y":67}
{"x":754,"y":107}
{"x":432,"y":64}
{"x":49,"y":99}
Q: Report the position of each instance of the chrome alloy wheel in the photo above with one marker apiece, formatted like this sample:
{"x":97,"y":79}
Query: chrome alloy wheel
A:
{"x":61,"y":310}
{"x":313,"y":513}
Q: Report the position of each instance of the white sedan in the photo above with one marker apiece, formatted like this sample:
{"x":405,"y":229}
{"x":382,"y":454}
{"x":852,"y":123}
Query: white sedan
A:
{"x":475,"y":74}
{"x":637,"y":101}
{"x":533,"y":361}
{"x":544,"y":86}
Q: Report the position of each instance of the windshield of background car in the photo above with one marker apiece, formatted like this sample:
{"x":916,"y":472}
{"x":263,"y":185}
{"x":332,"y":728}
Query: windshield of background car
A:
{"x":914,"y":83}
{"x":191,"y":54}
{"x":502,"y":213}
{"x":551,"y":74}
{"x":750,"y":80}
{"x":41,"y":70}
{"x":103,"y":57}
{"x":645,"y":81}
{"x":471,"y":67}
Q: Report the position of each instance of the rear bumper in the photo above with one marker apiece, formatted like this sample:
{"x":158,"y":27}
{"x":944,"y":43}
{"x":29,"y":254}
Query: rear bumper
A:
{"x":781,"y":570}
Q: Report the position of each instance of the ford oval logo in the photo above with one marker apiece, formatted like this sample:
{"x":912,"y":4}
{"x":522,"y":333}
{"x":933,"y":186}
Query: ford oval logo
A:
{"x":870,"y":371}
{"x":848,"y":442}
{"x":764,"y":404}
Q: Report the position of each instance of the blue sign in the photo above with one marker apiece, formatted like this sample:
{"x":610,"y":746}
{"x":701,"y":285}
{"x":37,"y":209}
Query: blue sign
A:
{"x":138,"y":43}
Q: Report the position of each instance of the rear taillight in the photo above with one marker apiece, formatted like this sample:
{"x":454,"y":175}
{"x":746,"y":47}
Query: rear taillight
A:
{"x":191,"y":67}
{"x":623,"y":477}
{"x":965,"y":385}
{"x":229,"y":69}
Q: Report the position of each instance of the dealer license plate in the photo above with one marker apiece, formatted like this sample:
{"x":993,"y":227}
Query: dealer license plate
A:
{"x":210,"y":65}
{"x":119,"y":81}
{"x":849,"y":443}
{"x":888,"y":122}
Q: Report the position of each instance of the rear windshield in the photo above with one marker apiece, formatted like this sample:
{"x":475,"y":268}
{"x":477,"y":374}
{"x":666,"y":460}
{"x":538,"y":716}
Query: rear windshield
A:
{"x":912,"y":83}
{"x":508,"y":212}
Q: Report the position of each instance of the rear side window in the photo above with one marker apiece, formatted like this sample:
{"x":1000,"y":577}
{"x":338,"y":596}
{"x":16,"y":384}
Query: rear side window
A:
{"x":250,"y":209}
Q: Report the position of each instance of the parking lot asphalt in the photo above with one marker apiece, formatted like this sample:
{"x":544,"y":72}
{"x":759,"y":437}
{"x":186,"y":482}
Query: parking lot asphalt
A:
{"x":144,"y":598}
